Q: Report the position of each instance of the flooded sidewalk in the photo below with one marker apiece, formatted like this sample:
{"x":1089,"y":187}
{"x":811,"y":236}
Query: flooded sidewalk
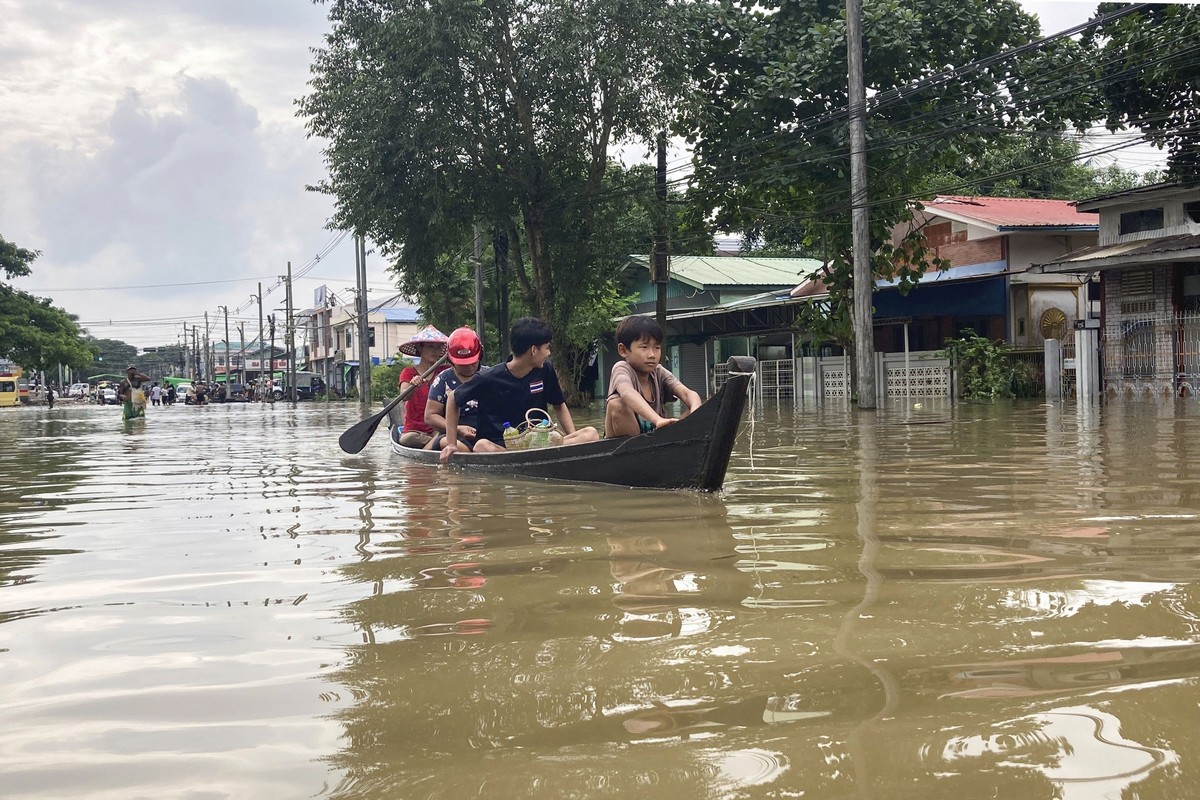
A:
{"x":944,"y":602}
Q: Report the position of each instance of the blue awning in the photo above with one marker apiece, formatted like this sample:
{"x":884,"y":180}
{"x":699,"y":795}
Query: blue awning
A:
{"x":959,"y":298}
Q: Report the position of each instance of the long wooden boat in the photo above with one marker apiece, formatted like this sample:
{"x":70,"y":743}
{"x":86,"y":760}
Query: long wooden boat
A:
{"x":690,"y":454}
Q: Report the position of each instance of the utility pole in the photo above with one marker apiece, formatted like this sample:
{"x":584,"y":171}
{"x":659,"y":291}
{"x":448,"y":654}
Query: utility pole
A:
{"x":260,"y":332}
{"x":228,"y":360}
{"x":208,"y":366}
{"x":500,"y":253}
{"x":271,"y":360}
{"x":242,"y":352}
{"x":478,"y":259}
{"x":291,"y":339}
{"x":864,"y":282}
{"x":659,"y":259}
{"x":363,"y":326}
{"x":183,"y":352}
{"x":195,"y":354}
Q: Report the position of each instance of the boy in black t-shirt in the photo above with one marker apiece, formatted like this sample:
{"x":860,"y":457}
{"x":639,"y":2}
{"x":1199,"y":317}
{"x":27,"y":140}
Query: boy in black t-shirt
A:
{"x":504,"y":393}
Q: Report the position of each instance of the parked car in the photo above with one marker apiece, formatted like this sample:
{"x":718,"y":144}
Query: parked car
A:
{"x":107,"y":396}
{"x":308,"y":386}
{"x":78,"y":390}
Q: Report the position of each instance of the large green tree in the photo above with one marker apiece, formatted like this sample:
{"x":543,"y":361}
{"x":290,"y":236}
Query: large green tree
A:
{"x":34,"y":333}
{"x":1150,"y":79}
{"x":770,"y":129}
{"x":442,"y":114}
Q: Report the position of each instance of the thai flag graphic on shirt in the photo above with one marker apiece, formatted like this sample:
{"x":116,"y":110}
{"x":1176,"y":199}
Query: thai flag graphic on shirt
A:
{"x":535,"y":387}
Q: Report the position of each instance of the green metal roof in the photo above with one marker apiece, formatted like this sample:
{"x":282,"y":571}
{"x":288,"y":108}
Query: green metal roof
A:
{"x":708,"y":272}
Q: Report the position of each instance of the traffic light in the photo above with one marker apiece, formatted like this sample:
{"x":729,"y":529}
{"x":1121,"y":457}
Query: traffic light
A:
{"x":100,"y":357}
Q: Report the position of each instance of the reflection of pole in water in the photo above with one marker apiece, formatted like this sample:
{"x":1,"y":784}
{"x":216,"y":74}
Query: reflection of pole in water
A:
{"x":367,"y":503}
{"x":865,"y":512}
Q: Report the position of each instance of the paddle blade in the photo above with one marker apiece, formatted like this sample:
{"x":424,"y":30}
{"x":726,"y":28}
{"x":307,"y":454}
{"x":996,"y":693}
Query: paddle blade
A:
{"x":356,"y":437}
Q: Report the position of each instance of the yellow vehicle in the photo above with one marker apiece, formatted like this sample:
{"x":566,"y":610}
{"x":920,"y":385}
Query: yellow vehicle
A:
{"x":9,"y":393}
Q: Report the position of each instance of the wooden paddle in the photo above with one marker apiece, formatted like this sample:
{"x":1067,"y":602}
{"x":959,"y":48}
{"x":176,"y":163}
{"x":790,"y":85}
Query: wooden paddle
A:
{"x":356,"y":438}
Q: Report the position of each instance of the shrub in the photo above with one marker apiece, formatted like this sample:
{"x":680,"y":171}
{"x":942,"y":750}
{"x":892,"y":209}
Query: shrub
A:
{"x":984,"y":369}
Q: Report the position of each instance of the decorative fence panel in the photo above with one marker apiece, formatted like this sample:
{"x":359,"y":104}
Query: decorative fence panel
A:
{"x":927,"y":375}
{"x":1152,"y":353}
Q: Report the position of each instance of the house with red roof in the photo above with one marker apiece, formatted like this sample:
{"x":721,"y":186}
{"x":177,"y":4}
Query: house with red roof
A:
{"x":990,"y":243}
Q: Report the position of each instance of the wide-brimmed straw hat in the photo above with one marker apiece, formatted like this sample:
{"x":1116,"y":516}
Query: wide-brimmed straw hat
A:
{"x":427,"y":335}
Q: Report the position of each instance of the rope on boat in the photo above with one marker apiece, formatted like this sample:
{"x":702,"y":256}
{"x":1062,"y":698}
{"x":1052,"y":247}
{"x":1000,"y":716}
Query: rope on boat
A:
{"x":753,"y":389}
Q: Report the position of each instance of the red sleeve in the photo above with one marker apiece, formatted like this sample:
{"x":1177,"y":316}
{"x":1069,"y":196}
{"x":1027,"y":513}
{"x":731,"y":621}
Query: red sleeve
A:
{"x":407,"y":374}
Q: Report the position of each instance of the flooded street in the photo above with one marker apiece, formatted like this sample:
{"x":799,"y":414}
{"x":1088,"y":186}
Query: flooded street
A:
{"x":958,"y":602}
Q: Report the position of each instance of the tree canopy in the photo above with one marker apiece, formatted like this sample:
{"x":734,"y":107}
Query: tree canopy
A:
{"x":440,"y":115}
{"x":1151,"y":79}
{"x":1042,"y":164}
{"x":34,"y":333}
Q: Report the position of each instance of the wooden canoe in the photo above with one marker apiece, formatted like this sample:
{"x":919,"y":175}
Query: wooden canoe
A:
{"x":690,"y":454}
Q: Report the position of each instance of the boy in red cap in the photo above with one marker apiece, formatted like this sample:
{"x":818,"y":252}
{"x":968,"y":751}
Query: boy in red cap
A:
{"x":466,"y":352}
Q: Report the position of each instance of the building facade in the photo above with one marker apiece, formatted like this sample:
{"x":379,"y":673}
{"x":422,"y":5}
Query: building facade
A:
{"x":1147,"y":260}
{"x":330,"y":334}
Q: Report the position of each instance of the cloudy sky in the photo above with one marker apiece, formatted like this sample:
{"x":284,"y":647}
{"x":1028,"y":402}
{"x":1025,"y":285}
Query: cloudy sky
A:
{"x":151,"y":151}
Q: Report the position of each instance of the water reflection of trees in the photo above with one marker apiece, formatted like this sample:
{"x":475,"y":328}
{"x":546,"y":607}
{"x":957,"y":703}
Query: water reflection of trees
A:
{"x":495,"y":644}
{"x":34,"y":482}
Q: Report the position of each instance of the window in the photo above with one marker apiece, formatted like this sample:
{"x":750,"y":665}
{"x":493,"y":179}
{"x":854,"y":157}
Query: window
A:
{"x":1192,"y":210}
{"x":1137,"y":282}
{"x":1148,"y":219}
{"x":1190,"y":278}
{"x":370,"y":337}
{"x":349,"y":340}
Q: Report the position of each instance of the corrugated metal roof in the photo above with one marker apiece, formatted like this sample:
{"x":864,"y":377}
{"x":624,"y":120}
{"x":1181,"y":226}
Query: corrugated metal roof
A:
{"x":1008,"y":213}
{"x":1182,"y":247}
{"x":399,"y":314}
{"x":705,"y":272}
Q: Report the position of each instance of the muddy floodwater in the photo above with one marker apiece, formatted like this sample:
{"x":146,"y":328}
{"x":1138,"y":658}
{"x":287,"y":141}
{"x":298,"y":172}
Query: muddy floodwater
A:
{"x":946,"y":602}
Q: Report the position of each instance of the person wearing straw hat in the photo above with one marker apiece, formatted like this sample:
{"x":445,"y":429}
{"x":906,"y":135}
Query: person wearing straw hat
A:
{"x":428,"y":345}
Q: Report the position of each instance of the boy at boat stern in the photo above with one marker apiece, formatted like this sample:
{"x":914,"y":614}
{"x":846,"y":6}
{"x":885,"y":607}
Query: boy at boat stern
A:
{"x":504,"y":393}
{"x":640,"y":386}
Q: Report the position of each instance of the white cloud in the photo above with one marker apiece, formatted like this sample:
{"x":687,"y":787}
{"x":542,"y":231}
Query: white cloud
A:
{"x":157,"y":143}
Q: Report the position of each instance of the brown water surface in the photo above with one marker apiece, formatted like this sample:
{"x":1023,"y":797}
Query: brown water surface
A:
{"x":951,"y":602}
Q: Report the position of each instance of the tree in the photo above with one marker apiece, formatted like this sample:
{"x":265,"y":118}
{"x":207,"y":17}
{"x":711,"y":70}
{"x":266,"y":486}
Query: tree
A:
{"x":34,"y":333}
{"x":1046,"y":165}
{"x":769,"y":126}
{"x":441,"y":114}
{"x":15,"y":260}
{"x":110,"y":355}
{"x":1151,"y":79}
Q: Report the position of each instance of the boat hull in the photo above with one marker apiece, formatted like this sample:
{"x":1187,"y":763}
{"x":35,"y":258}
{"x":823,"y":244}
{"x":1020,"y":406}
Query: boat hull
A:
{"x":691,"y":454}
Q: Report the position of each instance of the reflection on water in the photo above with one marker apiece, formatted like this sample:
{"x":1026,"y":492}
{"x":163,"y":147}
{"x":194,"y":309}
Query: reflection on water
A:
{"x":1079,"y":749}
{"x":994,"y":601}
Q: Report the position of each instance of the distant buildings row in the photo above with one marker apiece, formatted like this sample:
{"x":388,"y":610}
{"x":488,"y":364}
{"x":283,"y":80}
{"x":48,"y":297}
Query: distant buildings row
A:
{"x":1022,"y":271}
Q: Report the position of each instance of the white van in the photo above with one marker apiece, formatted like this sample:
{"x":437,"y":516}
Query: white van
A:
{"x":79,"y":390}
